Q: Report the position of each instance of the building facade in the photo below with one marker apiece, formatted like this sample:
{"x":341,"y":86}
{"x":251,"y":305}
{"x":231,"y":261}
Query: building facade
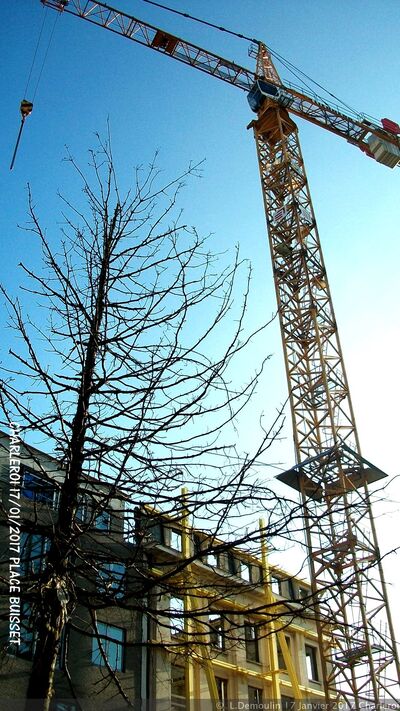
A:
{"x":165,"y":617}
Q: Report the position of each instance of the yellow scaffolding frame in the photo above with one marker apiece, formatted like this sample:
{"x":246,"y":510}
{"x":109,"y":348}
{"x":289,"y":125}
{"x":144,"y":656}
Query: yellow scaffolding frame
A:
{"x":193,"y":625}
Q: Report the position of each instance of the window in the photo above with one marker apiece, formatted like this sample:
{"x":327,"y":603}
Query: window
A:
{"x":102,"y":521}
{"x":176,"y":611}
{"x":33,"y":550}
{"x":213,"y":560}
{"x":312,"y":662}
{"x":251,"y":642}
{"x":245,"y":571}
{"x":291,"y":589}
{"x":276,"y":585}
{"x":255,"y":695}
{"x":175,"y":539}
{"x":281,"y":659}
{"x":217,"y":633}
{"x":197,"y":545}
{"x":111,"y":640}
{"x":222,"y":689}
{"x":36,"y":488}
{"x":155,"y":530}
{"x":251,"y":573}
{"x":233,"y":564}
{"x":111,"y":579}
{"x":82,"y":509}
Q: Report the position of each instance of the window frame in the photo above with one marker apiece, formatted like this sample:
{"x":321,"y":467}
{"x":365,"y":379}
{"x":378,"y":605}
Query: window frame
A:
{"x":311,"y":654}
{"x":117,"y":581}
{"x":246,"y":571}
{"x":217,"y":631}
{"x":106,"y":640}
{"x":83,"y":508}
{"x":34,"y":547}
{"x":175,"y":536}
{"x":38,"y":487}
{"x":101,"y":514}
{"x":254,"y":695}
{"x":234,"y":564}
{"x":281,"y":660}
{"x":222,"y":689}
{"x":176,"y":624}
{"x":155,"y":529}
{"x":251,"y":639}
{"x":198,"y":546}
{"x":291,"y":588}
{"x":276,"y":585}
{"x":213,"y":560}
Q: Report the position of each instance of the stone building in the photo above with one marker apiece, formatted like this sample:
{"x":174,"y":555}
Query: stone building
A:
{"x":164,"y":618}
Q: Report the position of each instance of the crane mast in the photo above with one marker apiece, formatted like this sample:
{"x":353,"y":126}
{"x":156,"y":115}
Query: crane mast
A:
{"x":359,"y":656}
{"x":360,"y":663}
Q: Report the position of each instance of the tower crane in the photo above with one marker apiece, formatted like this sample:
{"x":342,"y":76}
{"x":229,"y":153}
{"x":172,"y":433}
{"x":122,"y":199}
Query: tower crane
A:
{"x":359,"y":657}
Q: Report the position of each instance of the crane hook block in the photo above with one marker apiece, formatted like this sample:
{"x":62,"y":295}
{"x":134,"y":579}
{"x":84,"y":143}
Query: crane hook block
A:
{"x":25,"y":108}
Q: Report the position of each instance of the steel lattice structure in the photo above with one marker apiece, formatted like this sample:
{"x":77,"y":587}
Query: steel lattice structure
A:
{"x":320,"y":400}
{"x":355,"y":630}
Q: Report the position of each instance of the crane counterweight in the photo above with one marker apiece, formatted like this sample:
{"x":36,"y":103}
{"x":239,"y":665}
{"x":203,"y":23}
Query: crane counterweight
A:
{"x":384,"y":152}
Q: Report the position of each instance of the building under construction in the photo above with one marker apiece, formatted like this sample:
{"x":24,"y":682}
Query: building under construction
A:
{"x":359,"y":663}
{"x":225,"y":627}
{"x":330,"y":472}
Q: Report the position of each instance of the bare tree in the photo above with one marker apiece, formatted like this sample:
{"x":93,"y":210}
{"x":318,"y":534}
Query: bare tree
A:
{"x":129,"y":379}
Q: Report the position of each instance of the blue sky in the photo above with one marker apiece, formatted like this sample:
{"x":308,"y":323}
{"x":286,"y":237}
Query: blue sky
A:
{"x":154,"y":103}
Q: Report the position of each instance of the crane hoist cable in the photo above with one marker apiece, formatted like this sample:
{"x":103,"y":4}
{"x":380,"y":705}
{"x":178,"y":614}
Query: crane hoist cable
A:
{"x":26,"y":106}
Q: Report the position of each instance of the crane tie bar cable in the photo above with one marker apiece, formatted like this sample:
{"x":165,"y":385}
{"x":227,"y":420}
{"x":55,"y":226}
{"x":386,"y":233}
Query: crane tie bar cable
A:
{"x":202,"y":22}
{"x":286,"y":63}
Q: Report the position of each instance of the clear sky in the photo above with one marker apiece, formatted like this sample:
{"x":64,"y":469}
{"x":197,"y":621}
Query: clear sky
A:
{"x":154,"y":103}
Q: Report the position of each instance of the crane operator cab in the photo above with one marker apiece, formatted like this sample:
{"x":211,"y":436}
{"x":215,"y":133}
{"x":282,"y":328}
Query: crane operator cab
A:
{"x":262,"y":90}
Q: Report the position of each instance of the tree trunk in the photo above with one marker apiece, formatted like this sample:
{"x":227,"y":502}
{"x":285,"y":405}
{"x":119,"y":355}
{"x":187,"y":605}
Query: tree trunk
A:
{"x":57,"y":588}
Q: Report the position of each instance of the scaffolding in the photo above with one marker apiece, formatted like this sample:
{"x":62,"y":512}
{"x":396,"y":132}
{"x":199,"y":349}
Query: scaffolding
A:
{"x":191,"y":645}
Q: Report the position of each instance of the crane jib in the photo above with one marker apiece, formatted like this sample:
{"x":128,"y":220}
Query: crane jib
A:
{"x":379,"y":142}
